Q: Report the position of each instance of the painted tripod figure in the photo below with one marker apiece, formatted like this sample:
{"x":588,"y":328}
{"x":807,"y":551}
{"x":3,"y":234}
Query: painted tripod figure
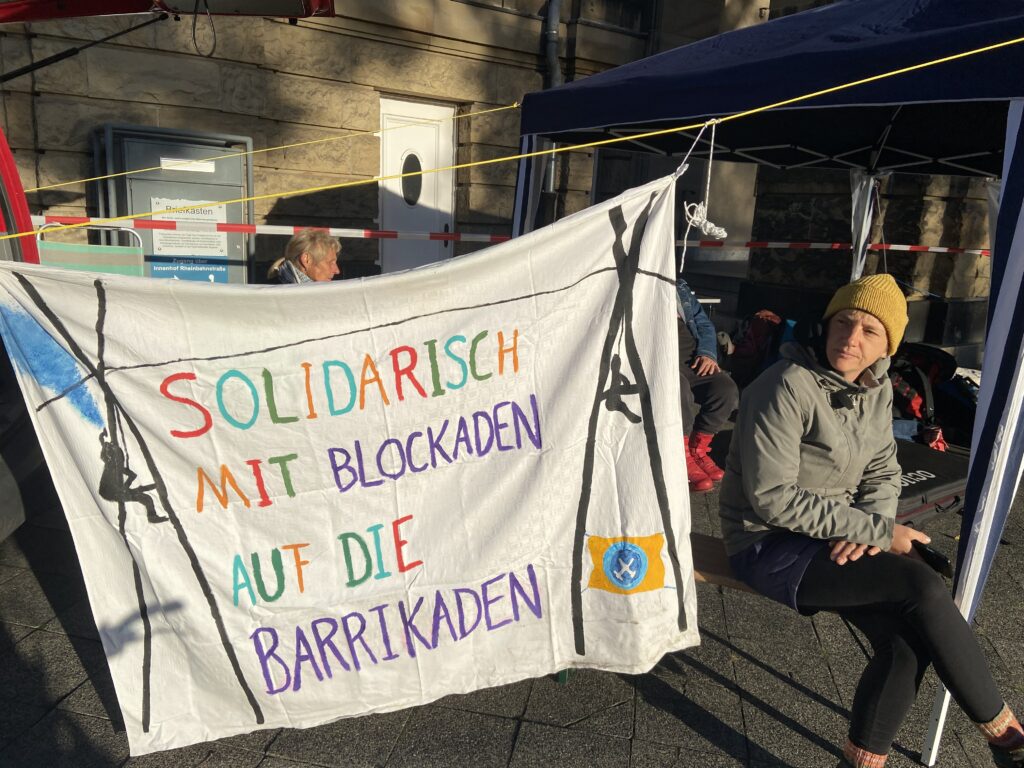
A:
{"x":117,"y":484}
{"x":612,"y":385}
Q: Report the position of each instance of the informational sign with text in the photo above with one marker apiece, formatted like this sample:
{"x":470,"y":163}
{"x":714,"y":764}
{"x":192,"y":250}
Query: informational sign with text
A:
{"x":185,"y":242}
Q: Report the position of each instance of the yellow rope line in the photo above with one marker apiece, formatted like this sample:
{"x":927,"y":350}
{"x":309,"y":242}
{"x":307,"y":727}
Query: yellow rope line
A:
{"x":538,"y":153}
{"x":172,"y":166}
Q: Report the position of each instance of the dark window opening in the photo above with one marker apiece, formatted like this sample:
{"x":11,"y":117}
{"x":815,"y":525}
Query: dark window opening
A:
{"x":412,"y":186}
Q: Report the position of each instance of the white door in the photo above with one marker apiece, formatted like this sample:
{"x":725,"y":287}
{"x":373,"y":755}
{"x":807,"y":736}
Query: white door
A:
{"x":415,"y":136}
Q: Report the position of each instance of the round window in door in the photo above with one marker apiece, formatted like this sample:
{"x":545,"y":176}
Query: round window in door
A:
{"x":412,"y":186}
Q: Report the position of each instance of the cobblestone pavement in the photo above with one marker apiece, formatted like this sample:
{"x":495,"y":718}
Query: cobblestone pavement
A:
{"x":766,"y":688}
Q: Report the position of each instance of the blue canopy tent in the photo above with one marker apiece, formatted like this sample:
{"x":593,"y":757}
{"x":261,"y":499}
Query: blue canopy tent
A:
{"x":946,"y":118}
{"x":960,"y":116}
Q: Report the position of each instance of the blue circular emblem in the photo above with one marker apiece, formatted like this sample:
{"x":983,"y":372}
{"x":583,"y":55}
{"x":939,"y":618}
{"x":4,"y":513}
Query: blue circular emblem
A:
{"x":625,"y":565}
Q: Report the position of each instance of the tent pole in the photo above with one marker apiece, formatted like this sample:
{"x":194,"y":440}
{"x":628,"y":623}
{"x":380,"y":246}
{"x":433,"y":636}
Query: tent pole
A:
{"x":940,"y":708}
{"x":993,"y":189}
{"x":527,"y":187}
{"x":1000,"y":456}
{"x":862,"y":187}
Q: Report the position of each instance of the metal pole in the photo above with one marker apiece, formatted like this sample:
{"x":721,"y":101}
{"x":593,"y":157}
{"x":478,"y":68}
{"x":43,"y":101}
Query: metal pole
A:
{"x":930,"y":751}
{"x":73,"y":51}
{"x":553,"y":73}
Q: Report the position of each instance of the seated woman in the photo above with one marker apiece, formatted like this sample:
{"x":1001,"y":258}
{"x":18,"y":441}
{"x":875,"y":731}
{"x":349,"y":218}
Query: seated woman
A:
{"x":808,"y":509}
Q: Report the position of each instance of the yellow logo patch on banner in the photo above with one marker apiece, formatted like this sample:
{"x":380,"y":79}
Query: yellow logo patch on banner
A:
{"x":627,"y":564}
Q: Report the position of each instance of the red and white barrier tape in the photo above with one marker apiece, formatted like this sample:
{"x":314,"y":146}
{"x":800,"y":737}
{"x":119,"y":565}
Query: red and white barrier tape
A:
{"x":185,"y":225}
{"x":804,"y":246}
{"x":270,"y":229}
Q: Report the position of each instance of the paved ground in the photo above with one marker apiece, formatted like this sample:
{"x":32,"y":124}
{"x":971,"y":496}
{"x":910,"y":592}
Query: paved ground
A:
{"x":766,"y":688}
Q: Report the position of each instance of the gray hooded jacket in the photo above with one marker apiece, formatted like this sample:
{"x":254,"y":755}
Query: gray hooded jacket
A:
{"x":812,"y":453}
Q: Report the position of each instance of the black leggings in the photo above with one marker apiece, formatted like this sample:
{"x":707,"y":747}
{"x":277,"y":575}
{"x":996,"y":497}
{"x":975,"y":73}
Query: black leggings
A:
{"x":906,"y":611}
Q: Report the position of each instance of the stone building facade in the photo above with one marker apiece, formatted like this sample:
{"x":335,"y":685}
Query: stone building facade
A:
{"x":283,"y":83}
{"x":815,"y":205}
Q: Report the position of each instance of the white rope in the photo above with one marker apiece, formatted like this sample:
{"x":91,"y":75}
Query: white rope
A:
{"x":697,"y":213}
{"x":684,"y":165}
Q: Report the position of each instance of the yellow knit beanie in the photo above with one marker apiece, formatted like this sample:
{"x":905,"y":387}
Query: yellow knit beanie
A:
{"x":878,"y":295}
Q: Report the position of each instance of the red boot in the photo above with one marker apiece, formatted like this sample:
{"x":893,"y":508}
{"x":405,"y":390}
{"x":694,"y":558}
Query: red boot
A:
{"x":699,"y":480}
{"x":700,"y":450}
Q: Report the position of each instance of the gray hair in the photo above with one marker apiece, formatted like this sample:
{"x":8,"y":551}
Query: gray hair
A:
{"x":316,"y":242}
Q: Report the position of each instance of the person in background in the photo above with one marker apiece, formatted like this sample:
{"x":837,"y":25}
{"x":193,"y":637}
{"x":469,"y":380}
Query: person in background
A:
{"x":701,"y":383}
{"x":808,"y":512}
{"x":311,"y":256}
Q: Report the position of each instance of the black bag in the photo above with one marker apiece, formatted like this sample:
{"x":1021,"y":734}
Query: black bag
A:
{"x":933,"y":482}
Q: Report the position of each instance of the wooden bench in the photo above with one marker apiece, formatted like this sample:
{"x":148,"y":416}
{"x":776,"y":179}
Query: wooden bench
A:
{"x":711,"y":564}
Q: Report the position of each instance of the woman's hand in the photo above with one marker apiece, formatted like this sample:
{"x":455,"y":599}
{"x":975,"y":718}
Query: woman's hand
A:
{"x":844,"y":552}
{"x":705,"y":366}
{"x":903,"y":538}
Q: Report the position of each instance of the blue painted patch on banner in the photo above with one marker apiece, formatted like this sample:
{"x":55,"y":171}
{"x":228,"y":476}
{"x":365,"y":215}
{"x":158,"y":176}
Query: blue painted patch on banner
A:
{"x":625,"y":564}
{"x":37,"y":354}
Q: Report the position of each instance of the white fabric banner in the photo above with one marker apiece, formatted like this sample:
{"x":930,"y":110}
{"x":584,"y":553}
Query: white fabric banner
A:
{"x":295,"y":504}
